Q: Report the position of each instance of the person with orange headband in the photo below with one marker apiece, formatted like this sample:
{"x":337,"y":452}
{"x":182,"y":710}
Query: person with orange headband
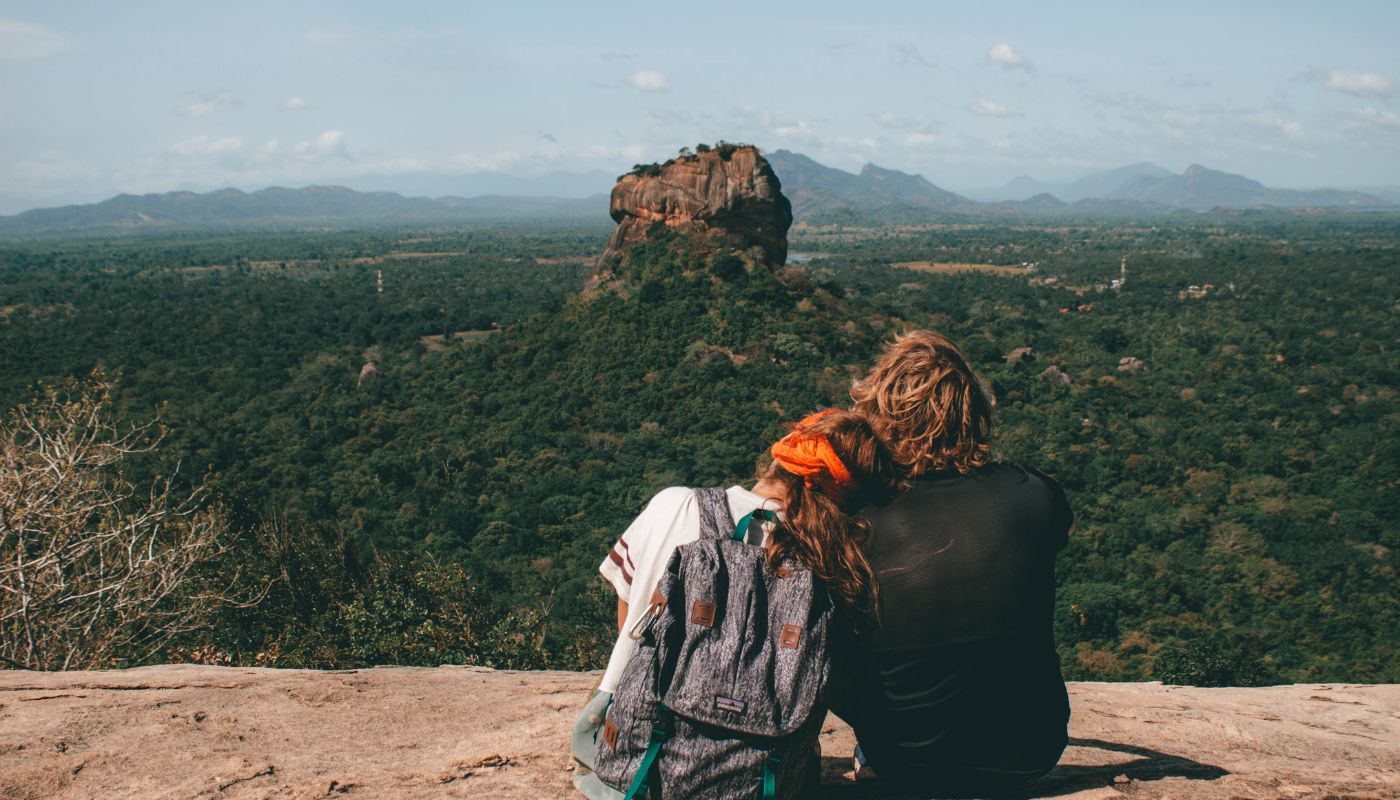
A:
{"x":828,"y":466}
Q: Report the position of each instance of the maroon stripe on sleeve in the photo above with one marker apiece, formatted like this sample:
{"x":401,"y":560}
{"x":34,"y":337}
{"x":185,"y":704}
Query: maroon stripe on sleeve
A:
{"x":617,"y":559}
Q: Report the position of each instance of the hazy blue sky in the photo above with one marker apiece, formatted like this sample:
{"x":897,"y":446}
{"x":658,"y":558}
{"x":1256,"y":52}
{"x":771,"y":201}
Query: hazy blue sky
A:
{"x":139,"y":96}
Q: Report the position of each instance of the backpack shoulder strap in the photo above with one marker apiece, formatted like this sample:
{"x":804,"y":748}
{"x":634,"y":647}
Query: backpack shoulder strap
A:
{"x":716,"y":520}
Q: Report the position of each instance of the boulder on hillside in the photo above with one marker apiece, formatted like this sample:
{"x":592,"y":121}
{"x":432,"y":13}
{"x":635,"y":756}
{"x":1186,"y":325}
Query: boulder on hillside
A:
{"x":369,"y":373}
{"x":1055,"y":376}
{"x":1131,"y":364}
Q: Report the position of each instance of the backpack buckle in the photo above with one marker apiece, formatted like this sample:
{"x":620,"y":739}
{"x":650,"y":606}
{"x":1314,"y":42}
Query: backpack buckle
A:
{"x":664,"y":726}
{"x":639,"y":628}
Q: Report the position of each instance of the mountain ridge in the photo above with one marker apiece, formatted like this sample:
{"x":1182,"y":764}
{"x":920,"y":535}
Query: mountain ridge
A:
{"x":818,"y":192}
{"x":1093,"y":184}
{"x":1200,"y":188}
{"x":280,"y":206}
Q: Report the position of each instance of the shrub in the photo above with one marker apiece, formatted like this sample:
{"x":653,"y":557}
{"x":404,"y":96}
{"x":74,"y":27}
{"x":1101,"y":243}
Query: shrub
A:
{"x":1210,"y":661}
{"x":96,"y":571}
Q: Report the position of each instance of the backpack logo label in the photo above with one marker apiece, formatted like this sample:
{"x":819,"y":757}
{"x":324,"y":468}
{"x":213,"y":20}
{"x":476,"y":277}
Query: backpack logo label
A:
{"x":702,"y":612}
{"x":730,"y":704}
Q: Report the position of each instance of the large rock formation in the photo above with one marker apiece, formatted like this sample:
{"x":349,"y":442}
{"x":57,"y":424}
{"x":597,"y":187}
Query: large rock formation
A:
{"x":729,"y":192}
{"x":401,"y":732}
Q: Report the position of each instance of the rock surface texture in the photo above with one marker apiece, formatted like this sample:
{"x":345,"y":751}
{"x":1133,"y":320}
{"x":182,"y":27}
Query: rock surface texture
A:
{"x":399,"y":732}
{"x":735,"y":194}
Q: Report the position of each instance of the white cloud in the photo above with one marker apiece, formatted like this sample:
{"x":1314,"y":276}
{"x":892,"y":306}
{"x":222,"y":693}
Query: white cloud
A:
{"x":1377,"y":120}
{"x":27,"y":40}
{"x":206,"y":147}
{"x":649,"y":80}
{"x":915,"y":139}
{"x":330,"y":144}
{"x":1363,"y":84}
{"x":1006,"y":55}
{"x":1387,"y":118}
{"x":983,"y":107}
{"x":209,"y":102}
{"x":203,"y":153}
{"x":798,"y":132}
{"x":293,"y":104}
{"x":1289,"y":128}
{"x":756,"y":124}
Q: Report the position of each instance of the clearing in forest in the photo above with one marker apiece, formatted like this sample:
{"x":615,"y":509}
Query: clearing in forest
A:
{"x":951,"y":267}
{"x":438,"y":341}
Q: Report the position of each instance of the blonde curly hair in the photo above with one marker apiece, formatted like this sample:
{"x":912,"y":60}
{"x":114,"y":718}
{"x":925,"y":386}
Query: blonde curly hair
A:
{"x":926,"y":401}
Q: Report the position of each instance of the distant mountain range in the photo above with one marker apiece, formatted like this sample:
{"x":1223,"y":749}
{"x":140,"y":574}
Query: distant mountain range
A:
{"x":1201,"y":189}
{"x":821,"y":192}
{"x":1098,"y":184}
{"x":817,"y":192}
{"x":312,"y":206}
{"x":816,"y":189}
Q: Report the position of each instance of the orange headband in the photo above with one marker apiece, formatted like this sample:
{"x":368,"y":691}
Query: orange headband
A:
{"x":812,"y":456}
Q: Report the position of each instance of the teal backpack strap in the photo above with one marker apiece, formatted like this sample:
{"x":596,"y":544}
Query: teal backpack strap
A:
{"x":770,"y":776}
{"x":661,"y":730}
{"x":742,"y":529}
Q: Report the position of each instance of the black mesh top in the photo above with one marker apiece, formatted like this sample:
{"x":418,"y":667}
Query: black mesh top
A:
{"x":958,"y":685}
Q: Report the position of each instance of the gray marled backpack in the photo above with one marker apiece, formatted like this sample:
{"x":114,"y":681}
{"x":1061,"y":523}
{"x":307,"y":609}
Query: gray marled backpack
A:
{"x":725,"y":696}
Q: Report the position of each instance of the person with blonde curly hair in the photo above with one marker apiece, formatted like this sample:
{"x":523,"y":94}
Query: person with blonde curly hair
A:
{"x":956,"y":689}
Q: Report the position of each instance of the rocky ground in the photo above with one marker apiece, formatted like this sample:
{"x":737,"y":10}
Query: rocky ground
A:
{"x":220,"y":732}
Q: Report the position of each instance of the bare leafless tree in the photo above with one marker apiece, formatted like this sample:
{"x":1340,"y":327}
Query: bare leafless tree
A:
{"x":96,"y":571}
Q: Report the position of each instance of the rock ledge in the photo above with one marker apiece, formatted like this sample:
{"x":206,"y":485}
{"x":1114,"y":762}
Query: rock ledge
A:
{"x":183,"y":731}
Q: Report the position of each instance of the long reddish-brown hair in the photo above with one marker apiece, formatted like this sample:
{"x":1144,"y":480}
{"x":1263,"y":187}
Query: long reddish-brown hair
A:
{"x":822,"y":532}
{"x":924,"y":398}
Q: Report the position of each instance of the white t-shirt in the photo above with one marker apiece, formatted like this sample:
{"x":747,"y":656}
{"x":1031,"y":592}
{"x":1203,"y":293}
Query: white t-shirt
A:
{"x":636,"y":562}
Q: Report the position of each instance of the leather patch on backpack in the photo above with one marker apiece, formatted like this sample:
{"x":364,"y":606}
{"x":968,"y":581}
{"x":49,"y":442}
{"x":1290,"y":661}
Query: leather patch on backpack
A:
{"x":791,"y":633}
{"x":702,"y":612}
{"x":610,"y":731}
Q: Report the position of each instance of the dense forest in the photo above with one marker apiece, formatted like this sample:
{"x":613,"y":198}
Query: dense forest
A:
{"x":1223,"y":421}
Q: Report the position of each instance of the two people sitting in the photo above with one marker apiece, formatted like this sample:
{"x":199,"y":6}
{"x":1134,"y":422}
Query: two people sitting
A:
{"x":939,"y":560}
